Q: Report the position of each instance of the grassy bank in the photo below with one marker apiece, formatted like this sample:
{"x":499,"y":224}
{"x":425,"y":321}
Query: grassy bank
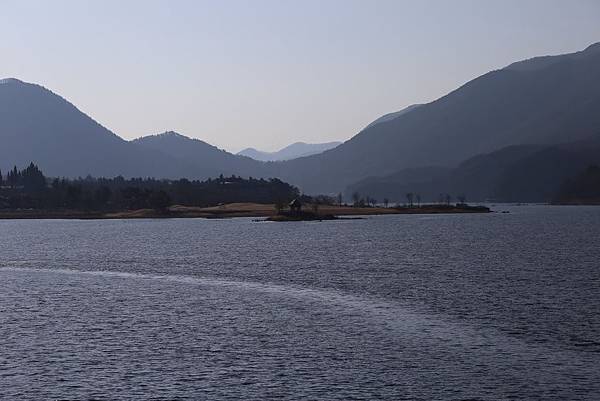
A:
{"x":231,"y":210}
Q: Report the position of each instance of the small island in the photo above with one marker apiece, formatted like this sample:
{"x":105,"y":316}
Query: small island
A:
{"x":332,"y":212}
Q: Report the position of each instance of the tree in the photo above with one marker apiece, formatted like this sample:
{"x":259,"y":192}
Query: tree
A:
{"x":32,"y":178}
{"x":159,"y":200}
{"x":13,"y":177}
{"x":30,"y":189}
{"x":279,"y":206}
{"x":418,"y":200}
{"x":355,"y":198}
{"x":134,"y":198}
{"x":74,"y":193}
{"x":340,"y":199}
{"x":462,"y":199}
{"x":448,"y":199}
{"x":102,"y":196}
{"x":410,"y":198}
{"x":386,"y":202}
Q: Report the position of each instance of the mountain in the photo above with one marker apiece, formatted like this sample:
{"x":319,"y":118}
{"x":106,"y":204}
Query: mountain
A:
{"x":538,"y":177}
{"x":391,"y":116}
{"x":544,"y":103}
{"x":583,"y":189}
{"x":537,"y":63}
{"x":293,"y":151}
{"x":206,"y":160}
{"x":38,"y":125}
{"x":519,"y":173}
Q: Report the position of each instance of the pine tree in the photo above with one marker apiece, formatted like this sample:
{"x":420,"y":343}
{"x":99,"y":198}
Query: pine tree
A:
{"x":14,"y":177}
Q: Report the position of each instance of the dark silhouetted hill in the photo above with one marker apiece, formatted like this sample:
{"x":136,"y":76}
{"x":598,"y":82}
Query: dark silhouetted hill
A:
{"x":537,"y":102}
{"x":391,"y":116}
{"x":38,"y":125}
{"x":545,"y":101}
{"x":583,"y":189}
{"x":206,"y":160}
{"x":520,"y":173}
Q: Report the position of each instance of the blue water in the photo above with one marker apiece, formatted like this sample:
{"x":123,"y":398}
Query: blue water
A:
{"x":498,"y":306}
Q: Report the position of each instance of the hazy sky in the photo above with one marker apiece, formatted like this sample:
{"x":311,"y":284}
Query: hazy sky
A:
{"x":267,"y":73}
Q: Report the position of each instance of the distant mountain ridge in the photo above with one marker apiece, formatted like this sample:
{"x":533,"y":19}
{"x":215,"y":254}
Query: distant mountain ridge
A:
{"x":544,"y":101}
{"x":206,"y":160}
{"x":293,"y":151}
{"x":555,"y":103}
{"x":537,"y":63}
{"x":38,"y":125}
{"x":391,"y":116}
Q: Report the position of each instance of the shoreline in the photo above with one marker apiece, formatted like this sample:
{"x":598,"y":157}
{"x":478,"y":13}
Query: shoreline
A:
{"x":227,"y":211}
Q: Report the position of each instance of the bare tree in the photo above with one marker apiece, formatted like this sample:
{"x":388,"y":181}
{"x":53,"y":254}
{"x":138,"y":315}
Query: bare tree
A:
{"x":386,"y":202}
{"x":410,"y":198}
{"x":418,"y":200}
{"x":356,"y":198}
{"x":279,"y":206}
{"x":340,"y":199}
{"x":448,"y":199}
{"x":462,"y":199}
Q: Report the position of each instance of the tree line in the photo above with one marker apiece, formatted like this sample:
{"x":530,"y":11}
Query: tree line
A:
{"x":412,"y":200}
{"x":30,"y":189}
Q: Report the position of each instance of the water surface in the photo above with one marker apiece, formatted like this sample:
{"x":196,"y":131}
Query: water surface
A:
{"x":498,"y":306}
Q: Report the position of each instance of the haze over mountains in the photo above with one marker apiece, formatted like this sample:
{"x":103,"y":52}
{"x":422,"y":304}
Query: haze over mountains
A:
{"x":293,"y":151}
{"x":541,"y":101}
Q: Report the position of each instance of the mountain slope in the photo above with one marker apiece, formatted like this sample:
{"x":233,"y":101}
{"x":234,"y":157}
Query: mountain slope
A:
{"x":391,"y":116}
{"x":38,"y":125}
{"x":537,"y":63}
{"x":521,"y":173}
{"x":552,"y":103}
{"x":582,"y":189}
{"x":206,"y":160}
{"x":543,"y":101}
{"x":293,"y":151}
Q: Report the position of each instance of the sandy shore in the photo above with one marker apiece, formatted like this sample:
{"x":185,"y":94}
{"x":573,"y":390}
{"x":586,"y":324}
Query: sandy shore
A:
{"x":223,"y":211}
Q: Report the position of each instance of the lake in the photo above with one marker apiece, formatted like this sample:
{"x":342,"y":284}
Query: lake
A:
{"x":479,"y":306}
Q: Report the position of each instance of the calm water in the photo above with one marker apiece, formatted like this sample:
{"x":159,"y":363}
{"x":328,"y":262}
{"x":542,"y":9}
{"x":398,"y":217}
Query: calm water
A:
{"x":500,"y":306}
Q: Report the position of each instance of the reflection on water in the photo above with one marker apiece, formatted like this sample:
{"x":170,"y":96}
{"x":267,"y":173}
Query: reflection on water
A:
{"x":395,"y":307}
